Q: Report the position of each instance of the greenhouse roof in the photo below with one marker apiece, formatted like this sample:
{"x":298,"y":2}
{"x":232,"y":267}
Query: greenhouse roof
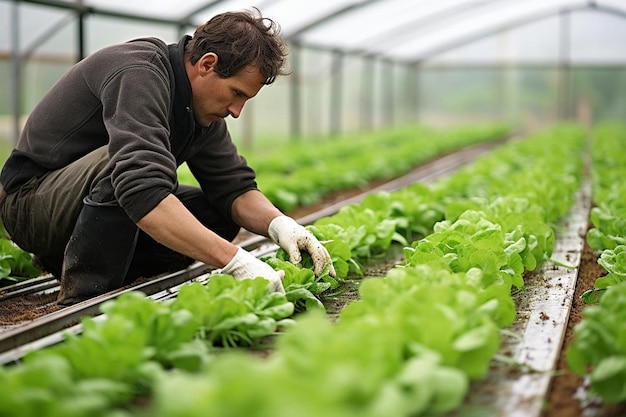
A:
{"x":400,"y":30}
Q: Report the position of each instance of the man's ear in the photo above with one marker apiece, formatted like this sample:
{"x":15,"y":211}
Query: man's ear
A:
{"x":207,"y":62}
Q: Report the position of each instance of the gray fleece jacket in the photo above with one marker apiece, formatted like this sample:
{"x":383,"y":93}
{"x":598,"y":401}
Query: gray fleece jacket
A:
{"x":136,"y":98}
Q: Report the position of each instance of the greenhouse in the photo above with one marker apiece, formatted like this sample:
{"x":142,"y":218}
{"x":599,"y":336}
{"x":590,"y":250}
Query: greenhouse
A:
{"x":360,"y":64}
{"x":419,"y":211}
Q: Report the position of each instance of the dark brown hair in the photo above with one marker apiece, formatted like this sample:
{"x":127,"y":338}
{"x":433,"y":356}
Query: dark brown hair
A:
{"x":240,"y":39}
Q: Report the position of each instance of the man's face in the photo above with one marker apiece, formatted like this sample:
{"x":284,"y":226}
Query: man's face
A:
{"x":215,"y":97}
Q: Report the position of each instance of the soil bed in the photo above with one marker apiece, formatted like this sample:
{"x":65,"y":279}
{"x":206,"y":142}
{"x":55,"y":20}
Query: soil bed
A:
{"x":26,"y":308}
{"x":566,"y":395}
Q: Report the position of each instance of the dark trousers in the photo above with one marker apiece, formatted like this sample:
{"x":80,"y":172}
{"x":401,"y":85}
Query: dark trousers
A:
{"x":40,"y":217}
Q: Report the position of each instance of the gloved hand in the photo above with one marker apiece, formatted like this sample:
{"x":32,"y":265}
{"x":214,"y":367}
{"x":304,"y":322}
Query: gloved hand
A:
{"x":293,"y":238}
{"x":245,"y":266}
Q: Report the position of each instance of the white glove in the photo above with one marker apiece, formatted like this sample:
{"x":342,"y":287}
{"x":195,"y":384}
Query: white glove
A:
{"x":245,"y":266}
{"x":293,"y":238}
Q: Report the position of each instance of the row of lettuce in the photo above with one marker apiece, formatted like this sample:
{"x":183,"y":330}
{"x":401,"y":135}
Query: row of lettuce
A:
{"x":15,"y":263}
{"x":302,"y":173}
{"x":294,"y":175}
{"x":411,"y":345}
{"x":599,"y":348}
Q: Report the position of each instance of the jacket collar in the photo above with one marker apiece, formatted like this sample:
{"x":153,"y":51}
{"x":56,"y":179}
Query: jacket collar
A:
{"x":183,"y":113}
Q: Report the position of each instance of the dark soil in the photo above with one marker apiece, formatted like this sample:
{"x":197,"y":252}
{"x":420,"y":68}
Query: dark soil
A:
{"x":23,"y":309}
{"x":566,"y":397}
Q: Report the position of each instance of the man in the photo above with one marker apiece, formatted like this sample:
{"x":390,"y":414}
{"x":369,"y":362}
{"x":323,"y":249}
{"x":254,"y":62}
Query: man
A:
{"x":91,"y":187}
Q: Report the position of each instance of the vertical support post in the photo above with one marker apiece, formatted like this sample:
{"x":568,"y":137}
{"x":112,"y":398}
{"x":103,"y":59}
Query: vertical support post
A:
{"x":16,"y":85}
{"x":295,"y":94}
{"x":564,"y":82}
{"x":80,"y":36}
{"x":388,"y":94}
{"x":416,"y":92}
{"x":336,"y":90}
{"x":410,"y":95}
{"x":248,"y":126}
{"x":367,"y":89}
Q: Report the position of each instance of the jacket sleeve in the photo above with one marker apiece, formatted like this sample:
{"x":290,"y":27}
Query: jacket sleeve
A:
{"x":136,"y":106}
{"x":223,"y":174}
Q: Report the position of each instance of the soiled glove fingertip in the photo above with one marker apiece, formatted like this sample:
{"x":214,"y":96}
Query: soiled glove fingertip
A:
{"x":295,"y":258}
{"x":318,"y":269}
{"x":332,"y":272}
{"x":277,"y":286}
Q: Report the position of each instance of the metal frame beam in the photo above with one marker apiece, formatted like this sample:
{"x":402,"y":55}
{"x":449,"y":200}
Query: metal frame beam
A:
{"x":87,"y":10}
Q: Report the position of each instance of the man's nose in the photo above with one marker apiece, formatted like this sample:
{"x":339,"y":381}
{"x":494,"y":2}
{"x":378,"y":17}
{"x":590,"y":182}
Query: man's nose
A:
{"x":235,"y":109}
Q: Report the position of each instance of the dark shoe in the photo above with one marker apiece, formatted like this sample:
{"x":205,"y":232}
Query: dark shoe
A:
{"x":98,"y":253}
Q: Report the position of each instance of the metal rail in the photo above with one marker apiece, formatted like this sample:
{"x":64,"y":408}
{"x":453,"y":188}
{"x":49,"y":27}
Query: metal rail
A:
{"x":30,"y":286}
{"x":540,"y":328}
{"x":47,"y":330}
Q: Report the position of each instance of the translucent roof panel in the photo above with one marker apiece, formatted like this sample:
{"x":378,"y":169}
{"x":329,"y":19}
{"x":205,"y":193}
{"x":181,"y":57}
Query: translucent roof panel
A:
{"x":160,"y":9}
{"x":402,"y":30}
{"x":535,"y":42}
{"x":366,"y":27}
{"x":589,"y":35}
{"x":461,"y":26}
{"x":422,"y":29}
{"x":292,"y":15}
